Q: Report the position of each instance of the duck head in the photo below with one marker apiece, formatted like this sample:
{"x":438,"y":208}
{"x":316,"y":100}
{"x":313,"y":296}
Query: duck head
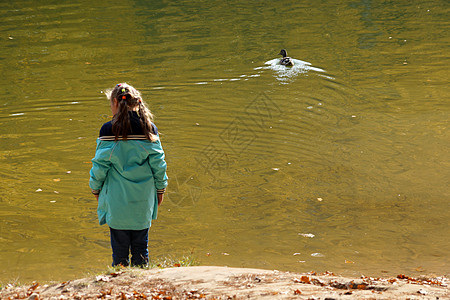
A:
{"x":283,"y":52}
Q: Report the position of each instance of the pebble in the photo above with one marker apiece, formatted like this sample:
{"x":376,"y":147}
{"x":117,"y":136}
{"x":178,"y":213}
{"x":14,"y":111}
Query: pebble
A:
{"x":34,"y":296}
{"x":422,"y":292}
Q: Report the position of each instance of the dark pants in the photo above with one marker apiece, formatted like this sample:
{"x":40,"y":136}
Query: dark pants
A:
{"x":124,"y":241}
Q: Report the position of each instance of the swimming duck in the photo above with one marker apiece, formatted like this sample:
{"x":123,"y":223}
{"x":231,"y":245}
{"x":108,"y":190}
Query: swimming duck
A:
{"x":286,"y":60}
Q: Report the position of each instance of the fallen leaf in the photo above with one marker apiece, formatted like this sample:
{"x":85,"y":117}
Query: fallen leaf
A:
{"x":297,"y":292}
{"x":38,"y":190}
{"x":319,"y":199}
{"x":56,"y":179}
{"x":224,"y":253}
{"x":32,"y":288}
{"x":115,"y":274}
{"x":362,"y":286}
{"x":357,"y":286}
{"x":297,"y":253}
{"x":349,"y":262}
{"x":305,"y":279}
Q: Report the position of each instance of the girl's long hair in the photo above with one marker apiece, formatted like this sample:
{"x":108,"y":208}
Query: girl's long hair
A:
{"x":128,"y":98}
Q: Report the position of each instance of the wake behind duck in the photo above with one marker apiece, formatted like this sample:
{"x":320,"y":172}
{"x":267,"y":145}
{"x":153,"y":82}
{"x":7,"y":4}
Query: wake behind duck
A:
{"x":288,"y":67}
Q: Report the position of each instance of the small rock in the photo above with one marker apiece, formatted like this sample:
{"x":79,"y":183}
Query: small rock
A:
{"x":422,"y":292}
{"x":102,"y":278}
{"x":34,"y":296}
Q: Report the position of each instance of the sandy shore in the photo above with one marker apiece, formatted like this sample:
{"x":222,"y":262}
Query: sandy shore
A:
{"x":206,"y":282}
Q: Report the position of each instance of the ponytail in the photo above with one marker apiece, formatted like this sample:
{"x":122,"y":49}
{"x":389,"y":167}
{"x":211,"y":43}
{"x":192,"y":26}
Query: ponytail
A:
{"x":128,"y":97}
{"x":121,"y":120}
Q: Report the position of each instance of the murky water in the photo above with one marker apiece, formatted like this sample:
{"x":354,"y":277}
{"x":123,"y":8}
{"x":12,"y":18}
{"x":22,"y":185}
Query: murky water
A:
{"x":339,"y":163}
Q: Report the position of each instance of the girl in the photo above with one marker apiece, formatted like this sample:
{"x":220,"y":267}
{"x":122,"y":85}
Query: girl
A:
{"x":128,"y":175}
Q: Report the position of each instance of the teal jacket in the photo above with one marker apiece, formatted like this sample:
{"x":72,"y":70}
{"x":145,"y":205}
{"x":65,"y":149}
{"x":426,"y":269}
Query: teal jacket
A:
{"x":128,"y":173}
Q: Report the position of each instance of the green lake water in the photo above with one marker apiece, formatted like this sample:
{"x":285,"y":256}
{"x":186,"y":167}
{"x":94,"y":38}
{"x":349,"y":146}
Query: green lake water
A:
{"x":341,"y":164}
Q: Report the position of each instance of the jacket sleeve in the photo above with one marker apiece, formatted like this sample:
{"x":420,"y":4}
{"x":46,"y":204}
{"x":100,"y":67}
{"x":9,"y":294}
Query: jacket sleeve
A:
{"x":101,"y":164}
{"x":158,"y":165}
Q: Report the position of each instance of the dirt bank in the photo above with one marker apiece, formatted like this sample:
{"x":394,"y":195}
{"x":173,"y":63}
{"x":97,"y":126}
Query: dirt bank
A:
{"x":206,"y":282}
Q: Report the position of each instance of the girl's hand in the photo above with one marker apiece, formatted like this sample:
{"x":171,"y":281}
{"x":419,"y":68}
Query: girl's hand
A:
{"x":96,"y":197}
{"x":160,"y":199}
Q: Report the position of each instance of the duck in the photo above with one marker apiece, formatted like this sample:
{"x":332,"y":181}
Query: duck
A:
{"x":286,"y":60}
